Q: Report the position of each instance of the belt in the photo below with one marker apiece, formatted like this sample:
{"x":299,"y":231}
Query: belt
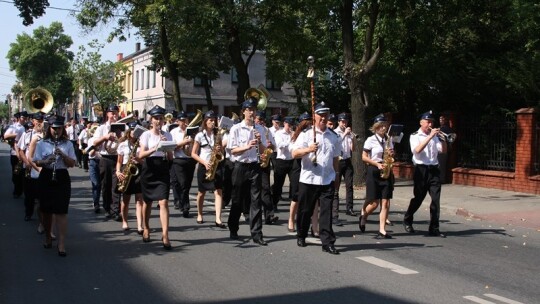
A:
{"x":429,"y":166}
{"x":109,"y":156}
{"x":344,"y":159}
{"x":247,"y":164}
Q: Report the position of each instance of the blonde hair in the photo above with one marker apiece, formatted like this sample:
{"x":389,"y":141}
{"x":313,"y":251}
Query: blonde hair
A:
{"x":376,"y":126}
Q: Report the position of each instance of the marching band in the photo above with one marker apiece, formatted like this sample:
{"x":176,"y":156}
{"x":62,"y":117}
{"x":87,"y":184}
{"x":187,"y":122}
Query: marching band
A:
{"x":234,"y":162}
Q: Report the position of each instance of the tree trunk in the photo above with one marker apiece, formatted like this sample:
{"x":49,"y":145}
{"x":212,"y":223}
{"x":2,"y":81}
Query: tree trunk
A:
{"x":235,"y":51}
{"x":174,"y":75}
{"x":206,"y":85}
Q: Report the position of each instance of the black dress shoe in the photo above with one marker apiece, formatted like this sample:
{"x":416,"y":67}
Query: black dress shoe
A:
{"x":260,"y":241}
{"x":221,"y":225}
{"x":233,"y":235}
{"x":97,"y":210}
{"x":301,"y":242}
{"x":383,"y":236}
{"x":350,"y":212}
{"x":337,"y":222}
{"x":27,"y":218}
{"x":271,"y":220}
{"x":185,"y":214}
{"x":117,"y":217}
{"x":436,"y":232}
{"x":47,"y":245}
{"x":330,"y":249}
{"x":409,"y":228}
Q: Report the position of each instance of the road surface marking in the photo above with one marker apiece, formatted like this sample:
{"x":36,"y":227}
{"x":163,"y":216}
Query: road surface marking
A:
{"x":502,"y":299}
{"x":478,"y":300}
{"x":384,"y":264}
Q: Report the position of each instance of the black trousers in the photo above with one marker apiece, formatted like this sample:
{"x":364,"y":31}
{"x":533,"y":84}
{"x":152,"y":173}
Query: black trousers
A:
{"x":17,"y":179}
{"x":282,"y":168}
{"x":426,"y":179}
{"x":84,"y":156}
{"x":346,"y":173}
{"x":246,"y":179}
{"x":227,"y":168}
{"x":78,"y":153}
{"x":266,"y":194}
{"x":30,"y":195}
{"x":182,"y":172}
{"x":111,"y":197}
{"x":307,"y":196}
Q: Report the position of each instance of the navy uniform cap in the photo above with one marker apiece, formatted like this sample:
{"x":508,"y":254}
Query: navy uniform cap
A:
{"x":249,"y":103}
{"x":25,"y":114}
{"x":332,"y":117}
{"x":112,"y":108}
{"x":17,"y":115}
{"x":427,"y":115}
{"x":261,"y":114}
{"x":56,"y":121}
{"x":210,"y":114}
{"x":276,"y":117}
{"x":38,"y":115}
{"x":379,"y":118}
{"x":157,"y":111}
{"x":29,"y":125}
{"x":289,"y":120}
{"x":182,"y":115}
{"x":321,"y":108}
{"x":304,"y":116}
{"x":343,"y":116}
{"x":132,"y":125}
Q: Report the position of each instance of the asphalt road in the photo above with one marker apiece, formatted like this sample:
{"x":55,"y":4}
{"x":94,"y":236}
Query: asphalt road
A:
{"x":479,"y":262}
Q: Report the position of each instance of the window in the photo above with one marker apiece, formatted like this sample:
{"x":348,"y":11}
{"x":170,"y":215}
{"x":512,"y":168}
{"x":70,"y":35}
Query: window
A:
{"x":142,"y":79}
{"x":147,"y":79}
{"x":234,"y":76}
{"x":136,"y":80}
{"x":154,"y":80}
{"x":197,"y":82}
{"x":273,"y":85}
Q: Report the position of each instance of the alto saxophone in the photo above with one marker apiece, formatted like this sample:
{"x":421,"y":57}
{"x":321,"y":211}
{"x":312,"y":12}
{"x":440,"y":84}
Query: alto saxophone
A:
{"x":130,"y":169}
{"x":267,"y":153}
{"x":388,"y":160}
{"x":217,"y":155}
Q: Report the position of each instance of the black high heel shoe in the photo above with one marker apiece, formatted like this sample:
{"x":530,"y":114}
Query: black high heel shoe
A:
{"x":221,"y":225}
{"x":383,"y":236}
{"x":147,"y":238}
{"x":47,"y":245}
{"x":166,"y":246}
{"x":362,"y":223}
{"x":61,"y":253}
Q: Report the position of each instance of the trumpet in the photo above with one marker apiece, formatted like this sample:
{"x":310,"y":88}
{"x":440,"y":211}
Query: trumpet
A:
{"x":449,"y":138}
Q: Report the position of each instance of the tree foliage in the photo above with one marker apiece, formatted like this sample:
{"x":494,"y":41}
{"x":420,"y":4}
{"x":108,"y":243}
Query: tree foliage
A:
{"x":31,"y":9}
{"x":98,"y":79}
{"x":44,"y":60}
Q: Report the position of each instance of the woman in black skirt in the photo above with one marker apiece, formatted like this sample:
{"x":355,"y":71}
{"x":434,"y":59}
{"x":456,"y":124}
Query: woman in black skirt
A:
{"x":204,"y":146}
{"x":54,"y":154}
{"x":126,"y":150}
{"x":155,"y":177}
{"x":378,"y":190}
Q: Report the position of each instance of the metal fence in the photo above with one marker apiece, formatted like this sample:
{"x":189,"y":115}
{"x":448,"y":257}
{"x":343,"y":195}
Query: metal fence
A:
{"x":487,"y":147}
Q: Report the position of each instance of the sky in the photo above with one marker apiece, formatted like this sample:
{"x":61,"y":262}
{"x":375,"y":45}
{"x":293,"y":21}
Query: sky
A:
{"x":11,"y":26}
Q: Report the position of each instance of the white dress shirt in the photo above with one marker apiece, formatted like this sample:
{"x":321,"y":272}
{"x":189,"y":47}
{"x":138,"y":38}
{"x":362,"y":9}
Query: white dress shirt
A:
{"x":428,"y":156}
{"x":240,"y":135}
{"x":283,"y":139}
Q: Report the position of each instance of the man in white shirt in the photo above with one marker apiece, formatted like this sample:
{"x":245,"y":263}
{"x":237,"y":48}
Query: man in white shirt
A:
{"x":346,"y":171}
{"x":12,"y":136}
{"x":284,"y":161}
{"x":425,"y":146}
{"x":320,"y":159}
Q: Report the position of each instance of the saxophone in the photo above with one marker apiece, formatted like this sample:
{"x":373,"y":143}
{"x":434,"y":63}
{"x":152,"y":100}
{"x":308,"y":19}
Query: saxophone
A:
{"x":388,"y":160}
{"x":267,"y":153}
{"x":217,"y":155}
{"x":130,"y":170}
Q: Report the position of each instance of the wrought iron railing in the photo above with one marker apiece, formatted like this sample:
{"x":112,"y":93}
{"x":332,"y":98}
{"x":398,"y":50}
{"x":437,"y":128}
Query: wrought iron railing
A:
{"x":488,"y":147}
{"x":536,"y":150}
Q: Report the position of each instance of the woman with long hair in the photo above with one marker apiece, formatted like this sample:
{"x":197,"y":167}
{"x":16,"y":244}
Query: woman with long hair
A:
{"x":126,"y":149}
{"x":378,"y":190}
{"x":54,"y":155}
{"x":155,"y":175}
{"x":204,"y":146}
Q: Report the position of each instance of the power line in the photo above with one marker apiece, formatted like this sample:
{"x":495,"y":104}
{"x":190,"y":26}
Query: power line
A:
{"x":50,"y":7}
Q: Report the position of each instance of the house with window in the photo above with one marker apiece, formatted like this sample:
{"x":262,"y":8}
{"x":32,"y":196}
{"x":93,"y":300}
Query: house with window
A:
{"x":149,"y":88}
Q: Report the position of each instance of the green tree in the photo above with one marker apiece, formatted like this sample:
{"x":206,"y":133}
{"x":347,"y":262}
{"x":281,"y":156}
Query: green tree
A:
{"x":31,"y":9}
{"x":99,"y":79}
{"x":44,"y":60}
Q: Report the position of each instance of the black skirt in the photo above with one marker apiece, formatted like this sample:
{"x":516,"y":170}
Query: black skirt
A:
{"x":294,"y":179}
{"x":376,"y":187}
{"x":155,"y":179}
{"x":216,"y":183}
{"x":54,"y":196}
{"x":134,"y":185}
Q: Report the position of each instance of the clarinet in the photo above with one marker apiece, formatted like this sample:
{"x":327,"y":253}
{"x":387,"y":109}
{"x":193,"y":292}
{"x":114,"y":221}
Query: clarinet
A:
{"x":257,"y":146}
{"x":55,"y":158}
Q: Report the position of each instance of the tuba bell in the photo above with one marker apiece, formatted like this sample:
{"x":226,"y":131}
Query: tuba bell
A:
{"x":260,"y":96}
{"x":37,"y":100}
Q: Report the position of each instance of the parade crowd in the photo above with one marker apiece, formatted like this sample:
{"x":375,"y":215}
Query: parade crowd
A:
{"x":132,"y":157}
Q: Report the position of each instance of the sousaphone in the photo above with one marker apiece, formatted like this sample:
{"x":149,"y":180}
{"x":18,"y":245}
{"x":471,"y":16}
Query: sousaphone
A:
{"x":38,"y":100}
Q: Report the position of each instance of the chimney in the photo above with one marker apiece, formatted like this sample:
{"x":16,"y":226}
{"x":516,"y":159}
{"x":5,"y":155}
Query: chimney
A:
{"x":137,"y":46}
{"x":119,"y":56}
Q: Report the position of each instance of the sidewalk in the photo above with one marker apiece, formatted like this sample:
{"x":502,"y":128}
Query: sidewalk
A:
{"x":491,"y":205}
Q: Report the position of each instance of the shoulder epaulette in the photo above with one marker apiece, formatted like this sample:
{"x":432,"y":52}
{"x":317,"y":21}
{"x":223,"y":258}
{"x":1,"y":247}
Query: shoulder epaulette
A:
{"x":414,"y":133}
{"x":331,"y":130}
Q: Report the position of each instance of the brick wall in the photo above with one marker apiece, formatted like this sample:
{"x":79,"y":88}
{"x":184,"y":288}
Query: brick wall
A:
{"x":520,"y":180}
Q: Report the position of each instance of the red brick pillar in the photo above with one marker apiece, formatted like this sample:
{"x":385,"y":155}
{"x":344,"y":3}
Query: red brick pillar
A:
{"x":526,"y":122}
